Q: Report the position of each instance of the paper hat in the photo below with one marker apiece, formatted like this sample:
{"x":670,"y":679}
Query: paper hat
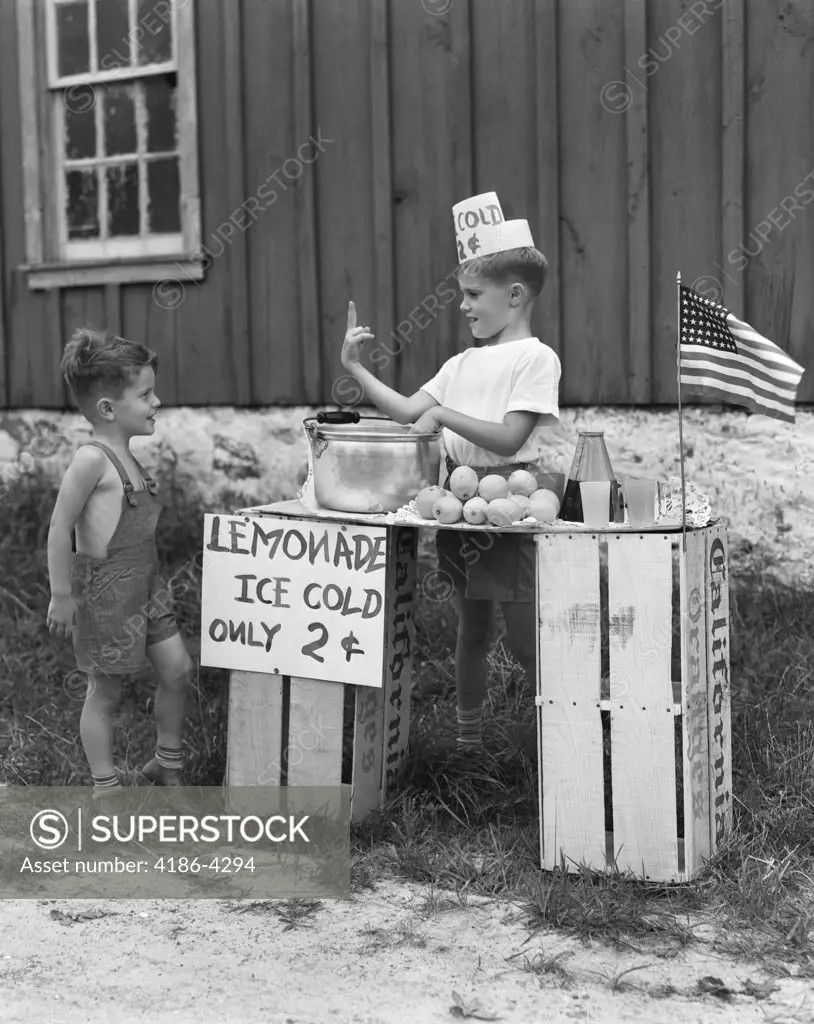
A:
{"x":482,"y":230}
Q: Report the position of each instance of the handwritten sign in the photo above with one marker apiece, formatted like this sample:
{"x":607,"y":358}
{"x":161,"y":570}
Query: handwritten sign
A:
{"x":294,"y":598}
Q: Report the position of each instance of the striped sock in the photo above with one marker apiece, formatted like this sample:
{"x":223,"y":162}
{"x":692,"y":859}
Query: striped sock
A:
{"x":171,"y":758}
{"x":469,"y":727}
{"x":106,"y":781}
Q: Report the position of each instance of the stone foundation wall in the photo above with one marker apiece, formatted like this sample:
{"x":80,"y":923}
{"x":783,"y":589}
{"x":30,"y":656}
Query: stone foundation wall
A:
{"x":758,"y":472}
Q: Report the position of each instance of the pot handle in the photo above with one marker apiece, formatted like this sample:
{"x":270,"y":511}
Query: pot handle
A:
{"x":338,"y":417}
{"x":318,"y":444}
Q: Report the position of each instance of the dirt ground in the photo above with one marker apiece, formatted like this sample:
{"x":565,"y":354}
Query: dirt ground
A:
{"x":388,"y":955}
{"x":381,"y":958}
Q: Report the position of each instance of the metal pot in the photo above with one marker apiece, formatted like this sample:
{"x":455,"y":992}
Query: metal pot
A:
{"x":369,"y":463}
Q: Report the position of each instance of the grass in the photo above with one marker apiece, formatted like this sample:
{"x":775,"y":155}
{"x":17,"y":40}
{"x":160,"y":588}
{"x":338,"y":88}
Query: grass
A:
{"x":474,"y":836}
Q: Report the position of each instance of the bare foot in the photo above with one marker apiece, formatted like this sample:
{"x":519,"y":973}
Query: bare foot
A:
{"x":158,"y":775}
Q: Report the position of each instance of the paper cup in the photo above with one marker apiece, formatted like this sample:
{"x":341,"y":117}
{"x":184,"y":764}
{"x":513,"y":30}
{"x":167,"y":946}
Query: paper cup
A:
{"x":641,"y":497}
{"x":595,"y":502}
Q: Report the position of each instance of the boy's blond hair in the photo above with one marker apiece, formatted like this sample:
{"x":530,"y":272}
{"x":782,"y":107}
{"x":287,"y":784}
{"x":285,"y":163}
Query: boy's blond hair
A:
{"x":98,"y":362}
{"x":527,"y":265}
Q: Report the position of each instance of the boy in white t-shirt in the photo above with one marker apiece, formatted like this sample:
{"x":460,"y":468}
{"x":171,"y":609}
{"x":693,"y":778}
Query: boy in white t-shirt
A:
{"x":494,"y":403}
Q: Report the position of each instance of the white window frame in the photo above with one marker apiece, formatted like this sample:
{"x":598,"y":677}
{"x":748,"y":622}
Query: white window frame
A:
{"x":52,"y":260}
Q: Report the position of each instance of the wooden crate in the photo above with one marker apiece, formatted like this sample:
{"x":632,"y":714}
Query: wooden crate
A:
{"x":284,"y":730}
{"x":633,"y":698}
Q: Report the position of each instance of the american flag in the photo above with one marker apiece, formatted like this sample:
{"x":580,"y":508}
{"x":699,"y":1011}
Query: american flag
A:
{"x":725,"y":358}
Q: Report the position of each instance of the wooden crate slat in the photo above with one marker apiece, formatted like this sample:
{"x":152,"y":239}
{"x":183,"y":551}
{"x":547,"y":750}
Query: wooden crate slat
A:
{"x":695,"y":743}
{"x":398,"y":653}
{"x":254,"y":742}
{"x":718,"y":687}
{"x":315,"y":719}
{"x":645,"y":825}
{"x":368,"y":747}
{"x":570,"y":728}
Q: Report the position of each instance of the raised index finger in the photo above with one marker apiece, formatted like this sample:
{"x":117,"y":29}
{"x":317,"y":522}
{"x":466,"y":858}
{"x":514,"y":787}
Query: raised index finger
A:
{"x":351,"y":315}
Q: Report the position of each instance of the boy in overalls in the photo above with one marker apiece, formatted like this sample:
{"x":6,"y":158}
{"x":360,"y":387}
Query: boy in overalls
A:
{"x":494,"y":403}
{"x":108,"y":595}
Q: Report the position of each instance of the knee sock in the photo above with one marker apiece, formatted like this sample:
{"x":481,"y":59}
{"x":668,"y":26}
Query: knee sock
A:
{"x":469,"y":727}
{"x":106,"y":781}
{"x":171,"y":758}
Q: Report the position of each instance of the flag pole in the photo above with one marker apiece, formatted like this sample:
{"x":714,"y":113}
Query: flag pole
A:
{"x":680,"y":418}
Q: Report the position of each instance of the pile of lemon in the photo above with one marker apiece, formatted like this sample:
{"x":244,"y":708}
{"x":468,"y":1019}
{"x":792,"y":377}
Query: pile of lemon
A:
{"x":494,"y":500}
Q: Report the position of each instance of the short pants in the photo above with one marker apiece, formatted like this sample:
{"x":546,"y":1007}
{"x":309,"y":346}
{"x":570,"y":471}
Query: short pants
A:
{"x":489,"y":566}
{"x":121,"y":610}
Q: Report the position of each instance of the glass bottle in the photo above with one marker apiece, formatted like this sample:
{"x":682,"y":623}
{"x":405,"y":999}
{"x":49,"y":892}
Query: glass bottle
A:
{"x":591,"y":462}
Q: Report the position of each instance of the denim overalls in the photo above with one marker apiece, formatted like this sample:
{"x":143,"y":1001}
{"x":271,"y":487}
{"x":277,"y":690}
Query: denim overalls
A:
{"x":123,"y":605}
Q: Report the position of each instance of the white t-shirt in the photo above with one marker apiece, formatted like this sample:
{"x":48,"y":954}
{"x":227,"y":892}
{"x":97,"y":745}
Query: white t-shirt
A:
{"x":486,"y":383}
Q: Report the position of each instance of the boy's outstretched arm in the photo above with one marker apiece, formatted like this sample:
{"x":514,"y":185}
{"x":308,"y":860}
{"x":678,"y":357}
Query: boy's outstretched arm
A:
{"x":82,"y":477}
{"x":501,"y":438}
{"x":398,"y":407}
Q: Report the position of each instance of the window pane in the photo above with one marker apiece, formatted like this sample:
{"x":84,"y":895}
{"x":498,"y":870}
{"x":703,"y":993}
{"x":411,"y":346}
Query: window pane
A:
{"x":164,"y":190}
{"x":112,"y":34}
{"x":73,"y":45}
{"x":120,"y":120}
{"x":122,"y":200}
{"x":159,"y":94}
{"x":80,"y":122}
{"x":155,"y":44}
{"x":82,"y":204}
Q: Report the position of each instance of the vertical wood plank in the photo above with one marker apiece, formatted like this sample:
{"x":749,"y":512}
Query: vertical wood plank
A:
{"x":185,"y":41}
{"x":55,"y":344}
{"x":162,"y":335}
{"x":113,"y":308}
{"x":547,"y":102}
{"x":638,"y":213}
{"x":569,"y":723}
{"x":398,"y":653}
{"x":593,"y":198}
{"x":775,"y":265}
{"x":684,"y":102}
{"x":50,"y":116}
{"x":718,"y":686}
{"x":135,"y":301}
{"x":232,"y":25}
{"x":83,"y":307}
{"x":368,"y":751}
{"x":29,"y":90}
{"x":453,"y":125}
{"x":205,"y":368}
{"x":432,"y":169}
{"x":11,"y":183}
{"x":4,"y":388}
{"x":504,"y":149}
{"x":733,"y":155}
{"x":312,"y":389}
{"x":254,"y":741}
{"x":273,"y":287}
{"x":695,"y":758}
{"x":315,"y":720}
{"x":32,"y":351}
{"x":517,"y":156}
{"x":645,"y":822}
{"x":382,"y":172}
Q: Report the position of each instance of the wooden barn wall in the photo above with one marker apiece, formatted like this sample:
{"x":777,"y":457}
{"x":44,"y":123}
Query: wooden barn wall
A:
{"x":418,"y":110}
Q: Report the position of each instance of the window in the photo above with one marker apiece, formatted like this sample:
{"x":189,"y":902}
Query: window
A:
{"x":110,"y":140}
